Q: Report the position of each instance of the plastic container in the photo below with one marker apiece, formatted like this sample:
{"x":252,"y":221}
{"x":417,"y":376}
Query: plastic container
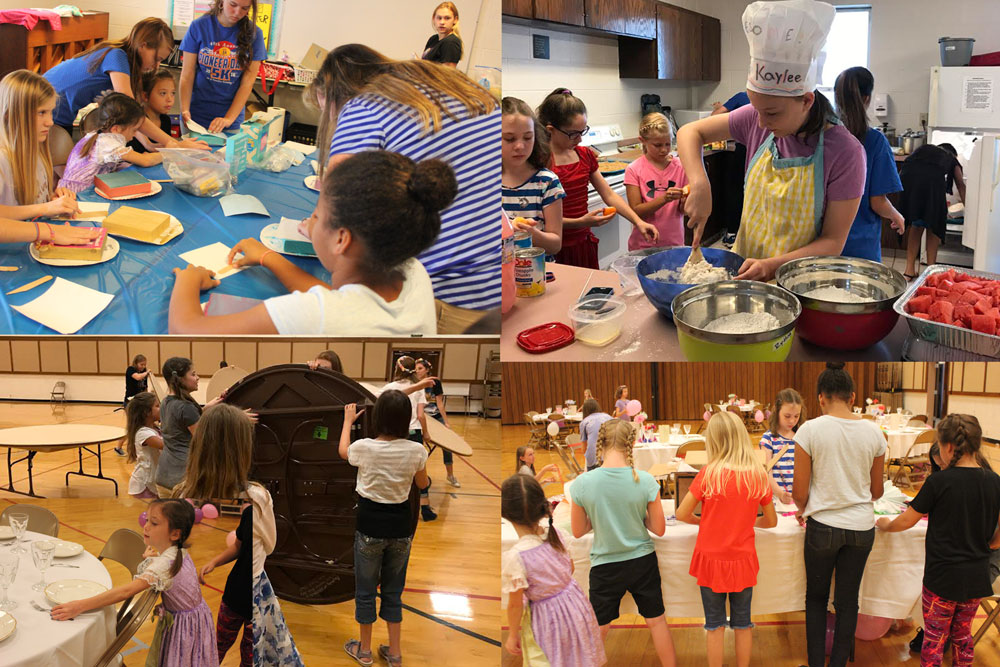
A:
{"x":955,"y":51}
{"x":624,"y":266}
{"x":598,"y":321}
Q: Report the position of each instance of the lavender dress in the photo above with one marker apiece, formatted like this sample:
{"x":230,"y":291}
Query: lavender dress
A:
{"x":105,"y":156}
{"x":190,"y":640}
{"x":562,"y":620}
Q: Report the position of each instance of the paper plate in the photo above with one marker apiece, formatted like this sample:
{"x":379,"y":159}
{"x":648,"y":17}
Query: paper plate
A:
{"x":156,"y":188}
{"x":173,"y":231}
{"x":7,"y":625}
{"x":111,"y":248}
{"x":66,"y":549}
{"x":67,"y":590}
{"x":272,"y":242}
{"x":312,"y":182}
{"x":6,"y":533}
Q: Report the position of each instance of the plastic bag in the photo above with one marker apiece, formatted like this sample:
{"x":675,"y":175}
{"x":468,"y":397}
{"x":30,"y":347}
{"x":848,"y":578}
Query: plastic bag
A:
{"x":279,"y":158}
{"x":202,"y":173}
{"x":488,"y":77}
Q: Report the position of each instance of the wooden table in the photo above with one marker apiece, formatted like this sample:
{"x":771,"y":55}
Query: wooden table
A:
{"x":54,"y":438}
{"x":439,"y":435}
{"x":646,"y":335}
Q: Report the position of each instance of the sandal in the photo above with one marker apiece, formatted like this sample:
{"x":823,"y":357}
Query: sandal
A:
{"x":393,"y":660}
{"x":353,"y":649}
{"x":910,"y":278}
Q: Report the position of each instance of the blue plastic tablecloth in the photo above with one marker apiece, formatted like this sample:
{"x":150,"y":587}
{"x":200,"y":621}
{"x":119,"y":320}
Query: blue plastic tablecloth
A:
{"x":141,"y":276}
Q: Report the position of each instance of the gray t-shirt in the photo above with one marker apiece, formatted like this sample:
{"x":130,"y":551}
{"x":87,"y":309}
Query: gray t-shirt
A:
{"x":842,"y":453}
{"x":176,"y":415}
{"x":8,"y":197}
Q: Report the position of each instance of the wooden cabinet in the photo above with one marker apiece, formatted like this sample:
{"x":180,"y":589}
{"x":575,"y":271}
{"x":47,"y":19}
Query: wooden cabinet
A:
{"x":42,"y":48}
{"x":688,"y":47}
{"x":636,"y":18}
{"x":570,"y":12}
{"x":519,"y":8}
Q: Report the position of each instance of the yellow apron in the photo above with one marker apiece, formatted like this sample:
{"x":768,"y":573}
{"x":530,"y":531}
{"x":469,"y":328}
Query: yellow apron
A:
{"x":782,"y":204}
{"x":531,"y":652}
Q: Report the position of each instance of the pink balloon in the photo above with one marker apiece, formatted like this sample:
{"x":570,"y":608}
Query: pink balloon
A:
{"x":198,"y":514}
{"x":231,"y":538}
{"x":142,"y":519}
{"x":758,"y":416}
{"x":210,"y":511}
{"x":633,"y":407}
{"x":707,"y":415}
{"x":190,"y":501}
{"x":871,"y":628}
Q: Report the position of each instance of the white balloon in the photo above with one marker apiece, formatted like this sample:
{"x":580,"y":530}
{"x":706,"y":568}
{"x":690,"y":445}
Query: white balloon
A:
{"x":553,"y":429}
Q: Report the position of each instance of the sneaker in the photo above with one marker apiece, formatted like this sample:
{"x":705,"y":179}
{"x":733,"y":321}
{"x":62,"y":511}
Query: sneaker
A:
{"x":427,"y":514}
{"x":917,"y":642}
{"x":119,"y":451}
{"x":454,"y":482}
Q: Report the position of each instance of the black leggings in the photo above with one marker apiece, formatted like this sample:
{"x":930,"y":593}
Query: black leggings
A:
{"x":448,"y":457}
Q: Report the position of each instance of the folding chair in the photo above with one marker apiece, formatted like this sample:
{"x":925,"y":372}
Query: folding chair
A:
{"x":991,"y":605}
{"x":40,"y":519}
{"x":535,"y":428}
{"x":133,"y":620}
{"x":694,"y":445}
{"x":58,"y":392}
{"x":125,"y":547}
{"x":567,"y":452}
{"x":917,"y":461}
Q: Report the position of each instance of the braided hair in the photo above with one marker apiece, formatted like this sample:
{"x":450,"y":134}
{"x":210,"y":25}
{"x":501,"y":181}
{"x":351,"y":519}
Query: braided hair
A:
{"x":620,"y":435}
{"x":523,"y":503}
{"x":180,"y":516}
{"x":964,"y":432}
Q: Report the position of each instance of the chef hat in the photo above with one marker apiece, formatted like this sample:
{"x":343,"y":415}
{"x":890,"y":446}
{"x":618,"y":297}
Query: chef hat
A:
{"x":786,"y":38}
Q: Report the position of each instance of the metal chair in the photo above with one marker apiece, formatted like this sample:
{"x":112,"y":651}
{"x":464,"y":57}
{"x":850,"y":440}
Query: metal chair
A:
{"x":694,"y":445}
{"x":567,"y":452}
{"x":59,"y":388}
{"x":917,"y":422}
{"x":40,"y":519}
{"x":991,"y":605}
{"x":916,"y":464}
{"x":920,"y":418}
{"x":130,"y":624}
{"x":535,"y":429}
{"x":125,"y":547}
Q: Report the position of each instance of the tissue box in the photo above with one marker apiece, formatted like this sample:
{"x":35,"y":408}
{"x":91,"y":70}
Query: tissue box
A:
{"x":236,"y":154}
{"x":257,"y":133}
{"x":277,"y":132}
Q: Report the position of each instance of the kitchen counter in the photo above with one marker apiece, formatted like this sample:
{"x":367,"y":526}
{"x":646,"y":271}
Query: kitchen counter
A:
{"x":646,"y":335}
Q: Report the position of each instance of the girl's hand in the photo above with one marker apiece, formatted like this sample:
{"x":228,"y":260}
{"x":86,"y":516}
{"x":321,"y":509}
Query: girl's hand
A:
{"x":69,"y":235}
{"x":306,"y":226}
{"x":214,"y":401}
{"x":221,"y":123}
{"x":252,"y":415}
{"x":351,"y":413}
{"x":898,"y":223}
{"x":67,"y":611}
{"x":427,"y":382}
{"x":513,"y":643}
{"x":786,"y":498}
{"x":252,"y":249}
{"x":65,"y":192}
{"x":524,"y":224}
{"x":882,"y":523}
{"x":757,"y":269}
{"x":61,"y":205}
{"x":204,"y":571}
{"x":673,"y":194}
{"x":186,"y":115}
{"x":698,"y":206}
{"x":192,"y":143}
{"x":649,"y":231}
{"x":597,"y":218}
{"x":206,"y":279}
{"x":798,"y":517}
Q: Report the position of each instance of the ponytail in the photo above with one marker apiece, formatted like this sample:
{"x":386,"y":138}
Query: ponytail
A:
{"x":820,"y":113}
{"x":853,"y":86}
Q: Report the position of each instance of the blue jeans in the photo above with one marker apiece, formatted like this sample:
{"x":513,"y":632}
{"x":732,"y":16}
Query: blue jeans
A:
{"x":379,"y":560}
{"x":715,"y":608}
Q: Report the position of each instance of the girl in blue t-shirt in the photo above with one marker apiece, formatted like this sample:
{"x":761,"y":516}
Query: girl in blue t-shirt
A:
{"x":788,"y":413}
{"x":222,"y":53}
{"x":853,"y":94}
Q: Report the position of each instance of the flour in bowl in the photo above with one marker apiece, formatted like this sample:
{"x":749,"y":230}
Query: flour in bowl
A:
{"x":743,"y":323}
{"x":698,"y":273}
{"x":837,"y":294}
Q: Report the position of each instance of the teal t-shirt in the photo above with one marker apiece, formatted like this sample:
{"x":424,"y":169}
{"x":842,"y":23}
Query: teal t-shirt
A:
{"x":616,"y":506}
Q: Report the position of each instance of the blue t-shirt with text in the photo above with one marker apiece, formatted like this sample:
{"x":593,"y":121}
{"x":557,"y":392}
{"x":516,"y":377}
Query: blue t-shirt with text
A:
{"x":77,"y":86}
{"x":881,"y":178}
{"x":218,"y":74}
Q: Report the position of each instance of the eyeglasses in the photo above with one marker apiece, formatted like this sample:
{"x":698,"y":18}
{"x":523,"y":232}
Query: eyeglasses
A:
{"x":575,"y":133}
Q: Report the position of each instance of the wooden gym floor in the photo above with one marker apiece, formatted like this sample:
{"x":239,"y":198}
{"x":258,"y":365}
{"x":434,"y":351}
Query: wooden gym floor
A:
{"x":452,"y":597}
{"x":779,"y":639}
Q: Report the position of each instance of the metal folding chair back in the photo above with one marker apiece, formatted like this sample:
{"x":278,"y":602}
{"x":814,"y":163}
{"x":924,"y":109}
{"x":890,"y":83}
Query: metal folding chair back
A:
{"x":134,"y":618}
{"x":40,"y":519}
{"x":125,"y":547}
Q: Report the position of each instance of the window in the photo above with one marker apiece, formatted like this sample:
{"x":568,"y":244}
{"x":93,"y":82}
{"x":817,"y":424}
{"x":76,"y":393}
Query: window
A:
{"x":846,"y":46}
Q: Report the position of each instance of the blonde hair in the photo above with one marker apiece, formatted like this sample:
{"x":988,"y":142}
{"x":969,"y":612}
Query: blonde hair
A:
{"x":221,"y":454}
{"x":21,"y":94}
{"x":618,"y":435}
{"x":422,"y":87}
{"x":729,"y":451}
{"x":653,"y":123}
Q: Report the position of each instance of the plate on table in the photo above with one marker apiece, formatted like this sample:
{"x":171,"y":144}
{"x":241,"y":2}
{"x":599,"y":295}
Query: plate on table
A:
{"x":68,"y":590}
{"x":7,"y":625}
{"x":272,"y":242}
{"x":154,"y":190}
{"x":312,"y":182}
{"x":111,"y":248}
{"x":173,"y":231}
{"x":66,"y":549}
{"x":6,"y":533}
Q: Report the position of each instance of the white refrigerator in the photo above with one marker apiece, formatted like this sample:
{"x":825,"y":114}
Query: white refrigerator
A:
{"x":964,"y":109}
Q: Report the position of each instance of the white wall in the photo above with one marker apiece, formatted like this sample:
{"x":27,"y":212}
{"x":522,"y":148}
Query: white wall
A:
{"x":982,"y":408}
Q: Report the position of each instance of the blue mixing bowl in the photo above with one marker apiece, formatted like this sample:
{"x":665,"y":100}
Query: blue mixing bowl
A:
{"x":661,"y":294}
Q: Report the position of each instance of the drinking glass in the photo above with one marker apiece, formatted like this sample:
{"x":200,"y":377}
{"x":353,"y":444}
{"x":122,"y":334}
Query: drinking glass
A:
{"x":19,"y":524}
{"x":687,"y":429}
{"x":42,"y":552}
{"x":8,"y":570}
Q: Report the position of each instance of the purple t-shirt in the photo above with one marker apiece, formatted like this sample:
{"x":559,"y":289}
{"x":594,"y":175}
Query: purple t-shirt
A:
{"x":843,"y":155}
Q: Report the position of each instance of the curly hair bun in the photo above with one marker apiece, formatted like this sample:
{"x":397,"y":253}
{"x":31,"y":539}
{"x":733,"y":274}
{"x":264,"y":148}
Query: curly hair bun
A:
{"x":433,"y":184}
{"x":835,"y":365}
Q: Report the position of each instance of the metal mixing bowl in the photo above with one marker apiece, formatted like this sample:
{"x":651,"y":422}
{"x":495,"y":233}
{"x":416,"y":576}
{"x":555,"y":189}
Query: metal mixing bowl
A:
{"x":661,"y":294}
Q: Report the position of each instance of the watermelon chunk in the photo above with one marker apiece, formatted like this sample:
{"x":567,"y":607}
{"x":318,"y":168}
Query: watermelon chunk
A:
{"x":982,"y":306}
{"x":942,"y":311}
{"x":923,"y":316}
{"x":984,"y":324}
{"x":919,"y":304}
{"x":922,"y":290}
{"x":970,"y":298}
{"x":964,"y":312}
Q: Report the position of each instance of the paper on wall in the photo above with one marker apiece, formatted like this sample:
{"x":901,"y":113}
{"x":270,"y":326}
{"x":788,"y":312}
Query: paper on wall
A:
{"x":66,"y":306}
{"x":213,"y":257}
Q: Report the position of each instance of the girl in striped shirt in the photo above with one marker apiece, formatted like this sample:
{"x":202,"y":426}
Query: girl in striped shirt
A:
{"x":532,"y":195}
{"x":788,"y":414}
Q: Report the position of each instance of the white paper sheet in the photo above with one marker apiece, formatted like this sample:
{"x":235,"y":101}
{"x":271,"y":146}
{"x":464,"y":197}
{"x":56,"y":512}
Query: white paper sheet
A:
{"x":212,"y":257}
{"x":235,"y":204}
{"x":305,"y":149}
{"x":192,"y":126}
{"x":66,"y":306}
{"x":288,"y":229}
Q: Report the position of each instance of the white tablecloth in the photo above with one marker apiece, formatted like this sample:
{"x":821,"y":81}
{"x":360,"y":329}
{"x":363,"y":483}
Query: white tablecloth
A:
{"x":900,"y":440}
{"x":651,"y":453}
{"x":38,"y":640}
{"x":890,"y":587}
{"x":743,"y":408}
{"x":575,"y":417}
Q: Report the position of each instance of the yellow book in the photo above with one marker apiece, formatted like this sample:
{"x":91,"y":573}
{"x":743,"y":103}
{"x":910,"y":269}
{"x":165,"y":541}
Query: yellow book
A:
{"x":137,"y":223}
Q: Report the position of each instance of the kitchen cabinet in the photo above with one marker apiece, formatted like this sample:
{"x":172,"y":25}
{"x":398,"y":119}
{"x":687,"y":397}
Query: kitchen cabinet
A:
{"x":688,"y":47}
{"x":570,"y":12}
{"x":519,"y":8}
{"x":636,"y":18}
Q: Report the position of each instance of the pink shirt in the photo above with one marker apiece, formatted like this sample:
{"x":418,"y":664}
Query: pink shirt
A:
{"x":669,"y":218}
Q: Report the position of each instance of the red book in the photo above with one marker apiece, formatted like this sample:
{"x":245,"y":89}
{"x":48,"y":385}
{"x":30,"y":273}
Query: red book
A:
{"x":123,"y":183}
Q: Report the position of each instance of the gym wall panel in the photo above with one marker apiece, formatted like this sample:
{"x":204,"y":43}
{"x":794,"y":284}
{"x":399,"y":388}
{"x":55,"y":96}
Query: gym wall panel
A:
{"x":460,"y":361}
{"x":148,"y":349}
{"x":376,"y":360}
{"x":272,"y":354}
{"x":242,"y":354}
{"x":206,"y":355}
{"x":24,"y":354}
{"x":83,"y":356}
{"x":176,"y":348}
{"x":5,"y":364}
{"x":110,"y":354}
{"x":55,"y":356}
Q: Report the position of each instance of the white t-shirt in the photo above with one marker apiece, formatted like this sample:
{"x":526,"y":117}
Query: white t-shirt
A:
{"x":842,"y":452}
{"x":386,"y":468}
{"x":416,"y":398}
{"x":144,"y":475}
{"x":355,"y":310}
{"x":264,"y":531}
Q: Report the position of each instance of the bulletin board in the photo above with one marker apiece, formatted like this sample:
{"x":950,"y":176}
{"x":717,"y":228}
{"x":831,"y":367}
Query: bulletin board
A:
{"x":268,"y":19}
